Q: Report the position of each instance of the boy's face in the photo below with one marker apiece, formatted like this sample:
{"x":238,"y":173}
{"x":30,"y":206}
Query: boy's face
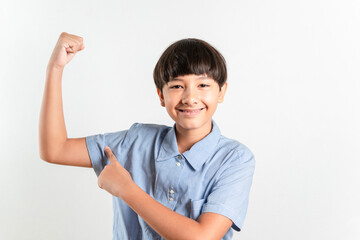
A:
{"x":191,"y":100}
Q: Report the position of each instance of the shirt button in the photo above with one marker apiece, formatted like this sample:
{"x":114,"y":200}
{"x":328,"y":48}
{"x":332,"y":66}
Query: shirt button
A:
{"x":171,"y":199}
{"x":178,"y":164}
{"x":171,"y":191}
{"x":179,"y":157}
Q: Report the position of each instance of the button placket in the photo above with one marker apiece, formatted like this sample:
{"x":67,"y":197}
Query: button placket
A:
{"x":171,"y":195}
{"x":167,"y":180}
{"x":178,"y":159}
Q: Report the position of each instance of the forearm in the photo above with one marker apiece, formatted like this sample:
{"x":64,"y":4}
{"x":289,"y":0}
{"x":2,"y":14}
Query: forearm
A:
{"x":115,"y":179}
{"x":52,"y":130}
{"x":169,"y":224}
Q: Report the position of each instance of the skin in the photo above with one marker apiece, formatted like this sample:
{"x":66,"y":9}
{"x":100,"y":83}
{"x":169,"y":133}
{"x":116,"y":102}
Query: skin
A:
{"x":183,"y":92}
{"x":54,"y":144}
{"x":116,"y":180}
{"x":191,"y":92}
{"x":55,"y":147}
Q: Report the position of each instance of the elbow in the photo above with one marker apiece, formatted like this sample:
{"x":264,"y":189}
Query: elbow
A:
{"x":204,"y":237}
{"x":45,"y":155}
{"x":43,"y":151}
{"x":198,"y":237}
{"x":48,"y":151}
{"x":204,"y":234}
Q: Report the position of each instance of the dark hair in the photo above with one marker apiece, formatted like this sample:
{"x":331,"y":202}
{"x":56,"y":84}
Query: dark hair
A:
{"x":190,"y":56}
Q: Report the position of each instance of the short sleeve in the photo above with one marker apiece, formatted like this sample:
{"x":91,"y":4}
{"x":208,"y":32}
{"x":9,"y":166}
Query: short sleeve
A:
{"x":230,"y":194}
{"x":96,"y":144}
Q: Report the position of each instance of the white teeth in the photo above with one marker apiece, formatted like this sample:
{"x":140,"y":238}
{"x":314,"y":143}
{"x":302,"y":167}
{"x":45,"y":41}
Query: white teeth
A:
{"x":187,"y":111}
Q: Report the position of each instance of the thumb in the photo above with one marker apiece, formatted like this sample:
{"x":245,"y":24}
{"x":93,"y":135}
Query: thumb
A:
{"x":110,"y":155}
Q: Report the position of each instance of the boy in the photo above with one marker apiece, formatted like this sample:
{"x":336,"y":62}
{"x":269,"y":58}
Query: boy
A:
{"x":181,"y":182}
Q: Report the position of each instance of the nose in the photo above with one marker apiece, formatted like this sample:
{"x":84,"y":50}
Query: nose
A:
{"x":190,"y":97}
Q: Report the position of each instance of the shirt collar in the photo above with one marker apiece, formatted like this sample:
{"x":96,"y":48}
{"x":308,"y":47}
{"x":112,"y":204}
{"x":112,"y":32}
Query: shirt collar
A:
{"x":197,"y":154}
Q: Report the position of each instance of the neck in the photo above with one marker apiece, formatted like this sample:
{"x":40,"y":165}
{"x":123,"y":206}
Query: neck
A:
{"x":186,"y":138}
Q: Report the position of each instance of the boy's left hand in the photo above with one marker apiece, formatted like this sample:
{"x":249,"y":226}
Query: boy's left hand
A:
{"x":114,"y":178}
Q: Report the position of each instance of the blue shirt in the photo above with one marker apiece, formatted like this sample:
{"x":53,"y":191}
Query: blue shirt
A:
{"x":215,"y":175}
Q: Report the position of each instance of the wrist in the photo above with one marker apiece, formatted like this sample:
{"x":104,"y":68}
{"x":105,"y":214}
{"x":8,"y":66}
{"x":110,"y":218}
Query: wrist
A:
{"x":54,"y":68}
{"x":128,"y":190}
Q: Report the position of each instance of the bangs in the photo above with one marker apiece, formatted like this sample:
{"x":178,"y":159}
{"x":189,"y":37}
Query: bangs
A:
{"x":190,"y":56}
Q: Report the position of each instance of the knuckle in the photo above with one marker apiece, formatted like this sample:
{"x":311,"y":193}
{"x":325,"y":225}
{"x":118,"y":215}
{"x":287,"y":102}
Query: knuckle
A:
{"x":77,"y":41}
{"x":63,"y":34}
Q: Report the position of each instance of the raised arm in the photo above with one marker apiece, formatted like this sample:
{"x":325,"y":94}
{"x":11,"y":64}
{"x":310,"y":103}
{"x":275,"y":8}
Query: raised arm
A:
{"x":54,"y":145}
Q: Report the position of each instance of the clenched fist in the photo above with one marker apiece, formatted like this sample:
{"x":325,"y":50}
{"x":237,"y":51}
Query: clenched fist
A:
{"x":66,"y":48}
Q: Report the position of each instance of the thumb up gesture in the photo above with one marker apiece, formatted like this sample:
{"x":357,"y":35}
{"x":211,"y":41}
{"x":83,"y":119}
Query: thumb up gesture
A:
{"x":66,"y":48}
{"x":114,"y":178}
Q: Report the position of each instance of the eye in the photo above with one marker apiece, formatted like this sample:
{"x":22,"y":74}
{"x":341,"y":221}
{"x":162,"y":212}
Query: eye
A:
{"x":176,"y":86}
{"x":204,"y":85}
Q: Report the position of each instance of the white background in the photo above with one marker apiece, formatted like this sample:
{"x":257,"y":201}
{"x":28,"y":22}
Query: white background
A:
{"x":293,"y":99}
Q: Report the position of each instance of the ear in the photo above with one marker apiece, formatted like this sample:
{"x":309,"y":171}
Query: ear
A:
{"x":222,"y":93}
{"x":161,"y":97}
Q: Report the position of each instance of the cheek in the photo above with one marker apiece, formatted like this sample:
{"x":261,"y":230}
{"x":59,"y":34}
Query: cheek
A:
{"x":168,"y":101}
{"x":210,"y":99}
{"x":172,"y":99}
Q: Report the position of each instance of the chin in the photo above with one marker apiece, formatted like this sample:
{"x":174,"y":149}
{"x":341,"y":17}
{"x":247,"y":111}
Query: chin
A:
{"x":191,"y":125}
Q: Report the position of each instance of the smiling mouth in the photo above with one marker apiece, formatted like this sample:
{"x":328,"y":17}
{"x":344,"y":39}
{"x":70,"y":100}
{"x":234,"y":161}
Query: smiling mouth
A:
{"x":190,"y":110}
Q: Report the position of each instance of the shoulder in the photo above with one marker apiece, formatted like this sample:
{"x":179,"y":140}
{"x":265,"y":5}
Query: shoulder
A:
{"x":147,"y":131}
{"x":235,"y":150}
{"x":147,"y":128}
{"x":137,"y":129}
{"x":236,"y":162}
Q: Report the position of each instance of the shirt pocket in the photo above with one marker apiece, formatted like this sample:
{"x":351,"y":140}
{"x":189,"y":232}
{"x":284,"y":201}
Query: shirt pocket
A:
{"x":196,"y":207}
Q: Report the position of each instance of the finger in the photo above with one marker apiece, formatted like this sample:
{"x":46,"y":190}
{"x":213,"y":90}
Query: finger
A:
{"x":70,"y":50}
{"x":75,"y":43}
{"x":110,"y":154}
{"x":74,"y":47}
{"x":78,"y":45}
